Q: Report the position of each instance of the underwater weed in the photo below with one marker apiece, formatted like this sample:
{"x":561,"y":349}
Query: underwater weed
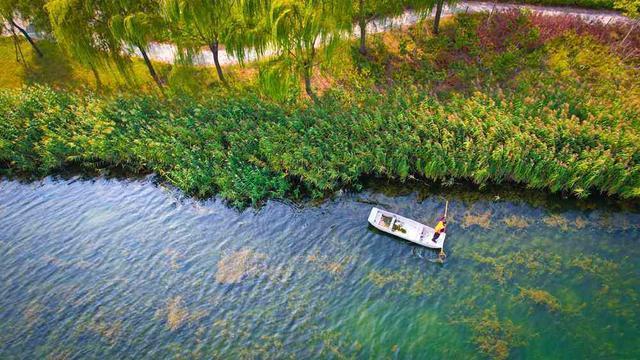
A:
{"x":406,"y":281}
{"x":233,"y":267}
{"x":580,"y":223}
{"x":60,"y":354}
{"x":482,"y":219}
{"x":540,"y":297}
{"x":494,"y":337}
{"x":557,"y":221}
{"x":515,"y":221}
{"x":531,"y":262}
{"x":173,"y":256}
{"x":176,"y":313}
{"x":335,"y":268}
{"x":32,"y":313}
{"x":108,"y":330}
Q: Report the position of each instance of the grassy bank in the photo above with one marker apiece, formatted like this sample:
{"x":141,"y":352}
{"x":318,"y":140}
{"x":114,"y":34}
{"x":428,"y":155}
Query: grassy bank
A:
{"x":513,"y":98}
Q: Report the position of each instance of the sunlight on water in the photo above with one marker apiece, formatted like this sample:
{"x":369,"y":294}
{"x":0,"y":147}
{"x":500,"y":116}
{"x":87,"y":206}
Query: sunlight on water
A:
{"x":127,"y":269}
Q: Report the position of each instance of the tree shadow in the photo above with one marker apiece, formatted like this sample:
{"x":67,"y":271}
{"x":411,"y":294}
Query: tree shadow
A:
{"x":53,"y":69}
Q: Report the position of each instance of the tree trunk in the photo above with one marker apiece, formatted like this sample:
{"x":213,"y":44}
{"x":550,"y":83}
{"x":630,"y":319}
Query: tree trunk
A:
{"x":308,"y":70}
{"x":436,"y":20}
{"x":363,"y":29}
{"x":152,"y":71}
{"x":96,"y":75}
{"x":26,"y":35}
{"x":16,"y":46}
{"x":214,"y":50}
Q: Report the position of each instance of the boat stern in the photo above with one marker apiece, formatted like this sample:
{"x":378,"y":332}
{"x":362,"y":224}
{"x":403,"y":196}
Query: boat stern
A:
{"x":372,"y":216}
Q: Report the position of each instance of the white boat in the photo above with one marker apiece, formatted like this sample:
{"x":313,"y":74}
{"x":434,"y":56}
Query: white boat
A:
{"x":405,"y":228}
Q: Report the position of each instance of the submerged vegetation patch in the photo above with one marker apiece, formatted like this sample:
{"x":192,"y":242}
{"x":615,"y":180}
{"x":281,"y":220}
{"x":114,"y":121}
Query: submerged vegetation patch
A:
{"x":329,"y":265}
{"x":556,"y":221}
{"x":413,"y":283}
{"x":540,"y":297}
{"x":534,"y":263}
{"x":482,"y":219}
{"x":495,"y":337}
{"x":176,"y":314}
{"x":234,"y":267}
{"x":109,"y":330}
{"x":515,"y":221}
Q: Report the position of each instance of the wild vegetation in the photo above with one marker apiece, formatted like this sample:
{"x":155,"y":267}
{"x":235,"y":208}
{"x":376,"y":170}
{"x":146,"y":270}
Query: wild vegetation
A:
{"x":550,"y":102}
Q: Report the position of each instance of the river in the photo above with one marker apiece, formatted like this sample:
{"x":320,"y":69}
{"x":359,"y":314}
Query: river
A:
{"x":121,"y":269}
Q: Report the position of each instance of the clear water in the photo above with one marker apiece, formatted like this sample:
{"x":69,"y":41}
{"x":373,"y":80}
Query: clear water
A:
{"x":127,"y":269}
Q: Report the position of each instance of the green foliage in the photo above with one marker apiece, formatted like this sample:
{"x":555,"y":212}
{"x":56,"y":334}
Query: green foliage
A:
{"x":297,"y":28}
{"x":630,"y":8}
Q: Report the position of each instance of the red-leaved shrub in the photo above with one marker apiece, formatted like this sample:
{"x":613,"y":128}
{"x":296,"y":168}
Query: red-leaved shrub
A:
{"x":508,"y":27}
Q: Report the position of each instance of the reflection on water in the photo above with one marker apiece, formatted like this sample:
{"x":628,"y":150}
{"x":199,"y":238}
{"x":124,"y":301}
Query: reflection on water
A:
{"x":126,"y":269}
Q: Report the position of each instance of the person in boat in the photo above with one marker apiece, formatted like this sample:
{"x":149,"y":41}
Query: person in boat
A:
{"x":441,"y":226}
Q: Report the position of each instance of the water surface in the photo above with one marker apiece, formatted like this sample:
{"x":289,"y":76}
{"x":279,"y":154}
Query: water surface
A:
{"x":128,"y":269}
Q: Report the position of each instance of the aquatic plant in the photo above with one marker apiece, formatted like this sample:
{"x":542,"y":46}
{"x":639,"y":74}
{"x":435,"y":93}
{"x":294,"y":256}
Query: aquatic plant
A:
{"x":483,"y":219}
{"x":515,"y":221}
{"x":534,"y":263}
{"x":176,"y":313}
{"x":406,"y":281}
{"x":32,"y":313}
{"x":493,"y":336}
{"x":109,"y":330}
{"x":557,"y":221}
{"x":540,"y":297}
{"x":173,"y":256}
{"x":580,"y":222}
{"x":233,"y":267}
{"x":327,"y":264}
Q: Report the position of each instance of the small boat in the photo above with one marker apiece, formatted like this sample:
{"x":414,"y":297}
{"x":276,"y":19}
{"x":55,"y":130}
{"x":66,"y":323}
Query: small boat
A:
{"x":407,"y":229}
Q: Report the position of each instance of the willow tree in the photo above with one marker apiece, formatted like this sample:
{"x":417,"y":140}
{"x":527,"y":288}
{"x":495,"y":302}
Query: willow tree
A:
{"x":138,"y":29}
{"x":95,"y":31}
{"x":30,"y":11}
{"x":298,"y":28}
{"x":81,"y":28}
{"x":203,"y":23}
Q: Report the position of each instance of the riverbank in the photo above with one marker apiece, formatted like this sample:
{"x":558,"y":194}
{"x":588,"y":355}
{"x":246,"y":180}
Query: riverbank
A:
{"x":541,"y":101}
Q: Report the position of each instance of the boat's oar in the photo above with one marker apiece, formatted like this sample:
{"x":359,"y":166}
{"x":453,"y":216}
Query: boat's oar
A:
{"x":442,"y":255}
